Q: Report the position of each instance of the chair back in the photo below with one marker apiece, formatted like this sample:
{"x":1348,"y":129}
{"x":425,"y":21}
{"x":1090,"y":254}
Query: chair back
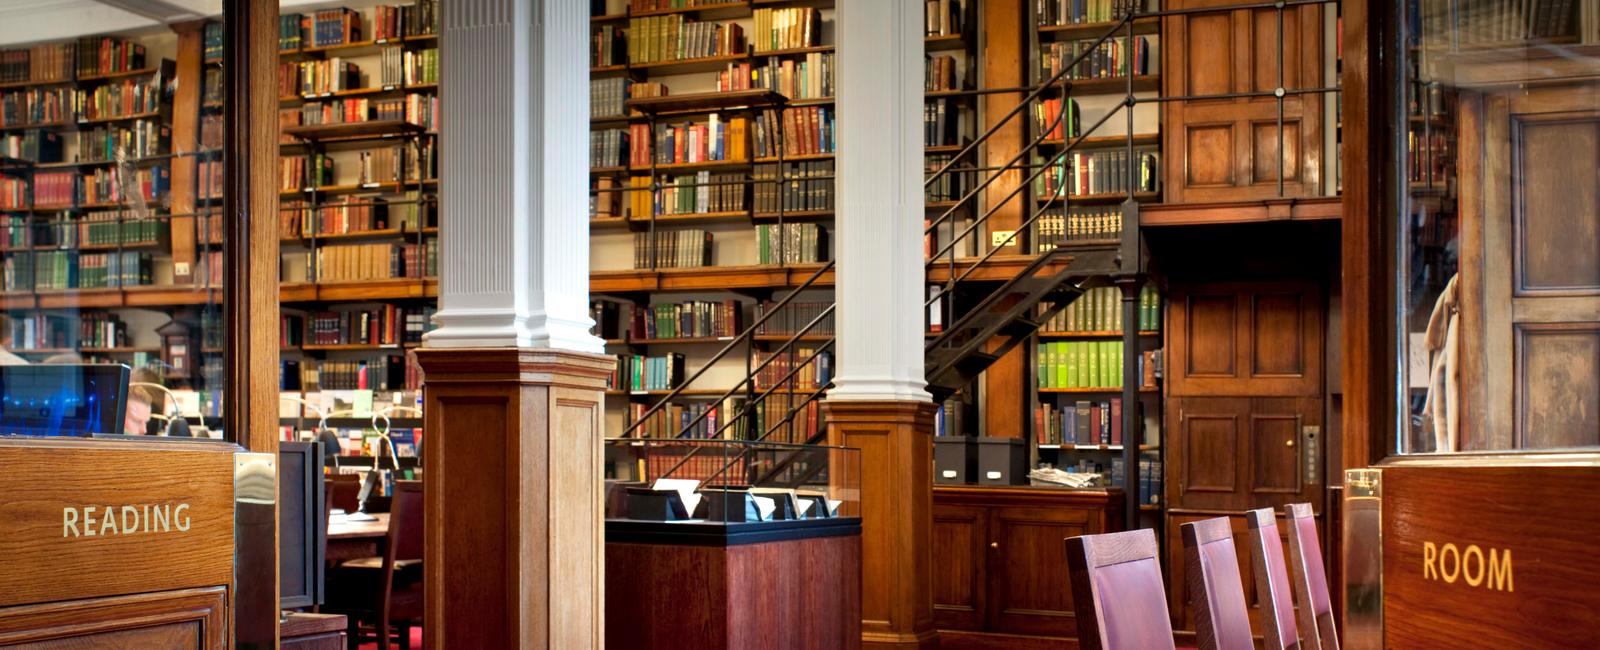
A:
{"x":1216,"y":592}
{"x":1311,"y":580}
{"x":345,"y":491}
{"x":1272,"y":582}
{"x":1119,"y":597}
{"x":405,"y":522}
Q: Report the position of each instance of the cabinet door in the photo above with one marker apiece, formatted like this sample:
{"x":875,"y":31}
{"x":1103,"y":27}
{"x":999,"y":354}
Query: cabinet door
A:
{"x":960,"y":534}
{"x":1029,"y":592}
{"x":1227,"y":149}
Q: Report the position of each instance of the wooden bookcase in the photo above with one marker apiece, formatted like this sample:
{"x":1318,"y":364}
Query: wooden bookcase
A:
{"x":700,"y":89}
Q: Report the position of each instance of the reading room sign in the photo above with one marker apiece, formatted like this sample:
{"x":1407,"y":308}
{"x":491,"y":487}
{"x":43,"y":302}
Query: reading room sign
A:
{"x":79,"y":519}
{"x":1490,"y":557}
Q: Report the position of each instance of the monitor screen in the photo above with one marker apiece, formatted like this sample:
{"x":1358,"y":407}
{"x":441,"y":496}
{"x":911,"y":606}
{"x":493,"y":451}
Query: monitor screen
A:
{"x":302,"y":524}
{"x":62,"y":400}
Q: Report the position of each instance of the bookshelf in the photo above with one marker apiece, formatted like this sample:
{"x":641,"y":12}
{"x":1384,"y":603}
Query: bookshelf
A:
{"x":711,"y":169}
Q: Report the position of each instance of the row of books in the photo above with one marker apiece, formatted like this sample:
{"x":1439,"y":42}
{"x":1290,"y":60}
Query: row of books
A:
{"x":415,"y":108}
{"x":40,"y":63}
{"x":385,"y":372}
{"x":311,"y":78}
{"x":608,"y":97}
{"x":1113,"y":57}
{"x":415,"y":18}
{"x":329,"y":27}
{"x":717,"y":138}
{"x":57,"y":270}
{"x":103,"y":270}
{"x":38,"y":146}
{"x":402,"y":67}
{"x":109,"y":228}
{"x":811,"y":369}
{"x":939,"y":73}
{"x":807,"y":78}
{"x":607,"y":147}
{"x":38,"y":330}
{"x":393,"y":164}
{"x":608,"y":46}
{"x":804,"y":186}
{"x":100,"y":55}
{"x":343,"y":215}
{"x":805,"y":130}
{"x":14,"y":194}
{"x":108,"y":185}
{"x":636,"y":372}
{"x":57,"y":106}
{"x":701,"y":193}
{"x":674,"y":420}
{"x":1100,"y":310}
{"x":1084,"y":422}
{"x":944,"y":17}
{"x":949,"y":186}
{"x":785,"y":28}
{"x":296,"y":172}
{"x":139,"y":139}
{"x":1076,"y":224}
{"x":1090,"y":364}
{"x":385,"y":325}
{"x":793,"y":317}
{"x":377,"y":261}
{"x":791,"y":243}
{"x":1078,"y":12}
{"x":672,"y":249}
{"x":1150,"y":481}
{"x":687,"y":319}
{"x":1431,"y":155}
{"x":1483,"y":22}
{"x":676,"y":37}
{"x":733,"y":419}
{"x":941,"y":123}
{"x":1088,"y":173}
{"x":1057,"y":120}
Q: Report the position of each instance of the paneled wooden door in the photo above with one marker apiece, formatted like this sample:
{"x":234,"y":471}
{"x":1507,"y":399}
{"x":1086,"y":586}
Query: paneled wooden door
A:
{"x":1245,"y":409}
{"x":1531,"y":320}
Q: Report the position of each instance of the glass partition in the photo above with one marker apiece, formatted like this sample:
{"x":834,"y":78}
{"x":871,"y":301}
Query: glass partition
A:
{"x":111,"y":199}
{"x":729,"y":481}
{"x":1498,"y":279}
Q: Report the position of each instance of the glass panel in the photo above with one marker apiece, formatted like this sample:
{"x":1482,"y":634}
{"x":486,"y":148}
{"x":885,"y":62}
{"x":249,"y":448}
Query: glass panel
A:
{"x":1499,"y":256}
{"x":729,"y":481}
{"x":110,"y":191}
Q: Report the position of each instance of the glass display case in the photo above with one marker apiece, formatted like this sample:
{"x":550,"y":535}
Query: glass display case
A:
{"x":731,"y":483}
{"x":1497,"y":212}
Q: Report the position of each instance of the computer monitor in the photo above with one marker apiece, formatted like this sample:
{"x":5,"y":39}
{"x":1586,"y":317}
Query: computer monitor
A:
{"x":302,"y":525}
{"x":80,"y":400}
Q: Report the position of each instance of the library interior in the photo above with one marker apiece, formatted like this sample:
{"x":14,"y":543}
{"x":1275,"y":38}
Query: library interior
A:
{"x":1242,"y":323}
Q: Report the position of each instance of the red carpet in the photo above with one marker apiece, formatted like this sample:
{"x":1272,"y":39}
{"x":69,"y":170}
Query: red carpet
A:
{"x":416,"y":641}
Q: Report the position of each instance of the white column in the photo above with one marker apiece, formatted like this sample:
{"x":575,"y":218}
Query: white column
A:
{"x":513,"y":250}
{"x":879,"y":190}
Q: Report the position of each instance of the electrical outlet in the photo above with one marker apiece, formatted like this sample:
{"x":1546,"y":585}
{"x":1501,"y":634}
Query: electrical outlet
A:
{"x":998,"y":238}
{"x":180,"y":269}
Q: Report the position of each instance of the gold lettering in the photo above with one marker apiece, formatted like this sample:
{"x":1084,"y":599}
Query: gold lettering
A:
{"x":1429,"y":553}
{"x":161,"y":519}
{"x":69,"y":522}
{"x":88,"y":521}
{"x":1473,"y":579}
{"x":1455,"y":564}
{"x":1500,"y":570}
{"x":183,"y":524}
{"x":130,"y":514}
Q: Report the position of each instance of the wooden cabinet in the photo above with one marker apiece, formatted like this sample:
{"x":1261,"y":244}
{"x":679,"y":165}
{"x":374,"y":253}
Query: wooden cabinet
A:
{"x":1227,"y":149}
{"x":1000,"y":565}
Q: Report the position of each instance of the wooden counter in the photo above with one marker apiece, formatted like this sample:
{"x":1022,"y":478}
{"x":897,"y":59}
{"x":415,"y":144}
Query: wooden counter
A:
{"x":1000,"y":565}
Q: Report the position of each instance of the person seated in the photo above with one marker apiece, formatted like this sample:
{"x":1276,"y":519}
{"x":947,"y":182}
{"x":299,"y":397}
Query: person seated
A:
{"x":136,"y":418}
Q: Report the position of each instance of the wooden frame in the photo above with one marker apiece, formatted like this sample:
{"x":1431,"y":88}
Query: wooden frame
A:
{"x":1218,"y":603}
{"x":1272,"y":582}
{"x":1315,"y":611}
{"x":1090,"y":555}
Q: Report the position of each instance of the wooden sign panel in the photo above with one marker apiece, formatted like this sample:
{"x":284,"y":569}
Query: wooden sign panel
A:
{"x":83,"y":519}
{"x":1491,"y":557}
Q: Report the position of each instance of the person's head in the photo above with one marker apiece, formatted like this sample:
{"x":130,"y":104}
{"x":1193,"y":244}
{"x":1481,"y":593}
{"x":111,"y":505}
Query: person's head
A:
{"x":140,"y":401}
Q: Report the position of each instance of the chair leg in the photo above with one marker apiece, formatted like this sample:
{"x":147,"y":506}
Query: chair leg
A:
{"x":405,"y":636}
{"x":352,"y":632}
{"x":384,"y":642}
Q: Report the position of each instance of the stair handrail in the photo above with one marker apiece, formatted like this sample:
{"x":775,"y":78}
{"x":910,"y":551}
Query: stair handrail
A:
{"x":743,"y":337}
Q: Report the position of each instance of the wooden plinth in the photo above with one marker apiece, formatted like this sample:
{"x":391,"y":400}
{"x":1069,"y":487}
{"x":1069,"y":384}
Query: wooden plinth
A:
{"x":896,"y":443}
{"x":713,"y":592}
{"x":513,"y":494}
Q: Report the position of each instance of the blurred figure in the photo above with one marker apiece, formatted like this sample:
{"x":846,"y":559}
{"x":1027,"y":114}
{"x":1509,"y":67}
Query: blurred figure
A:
{"x":137,"y":419}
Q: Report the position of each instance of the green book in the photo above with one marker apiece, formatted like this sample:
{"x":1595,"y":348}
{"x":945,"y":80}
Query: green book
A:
{"x":1069,"y":365}
{"x":1091,"y":365}
{"x":1058,"y":365}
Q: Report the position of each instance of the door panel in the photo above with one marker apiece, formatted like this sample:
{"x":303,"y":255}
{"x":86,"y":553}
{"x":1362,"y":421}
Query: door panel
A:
{"x":1238,"y":454}
{"x":1028,"y":569}
{"x":1246,"y":339}
{"x":191,"y":618}
{"x":959,"y":536}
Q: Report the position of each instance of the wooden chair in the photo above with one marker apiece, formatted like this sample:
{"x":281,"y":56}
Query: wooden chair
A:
{"x":1216,"y":592}
{"x":1311,"y":580}
{"x":1117,"y":591}
{"x":344,"y":491}
{"x":387,"y":590}
{"x":1272,"y":582}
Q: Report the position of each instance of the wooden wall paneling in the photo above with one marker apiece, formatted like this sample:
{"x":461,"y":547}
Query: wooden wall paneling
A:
{"x":514,"y":537}
{"x":960,"y":541}
{"x":185,"y":136}
{"x":1226,"y":149}
{"x":1006,"y":64}
{"x":1365,"y":290}
{"x":188,"y":618}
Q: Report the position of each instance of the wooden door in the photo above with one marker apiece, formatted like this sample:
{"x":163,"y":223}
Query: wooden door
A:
{"x":1530,"y":261}
{"x":960,"y":547}
{"x":1227,"y":149}
{"x":1029,"y":593}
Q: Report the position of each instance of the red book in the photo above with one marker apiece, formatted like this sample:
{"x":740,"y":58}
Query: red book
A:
{"x":1116,"y":420}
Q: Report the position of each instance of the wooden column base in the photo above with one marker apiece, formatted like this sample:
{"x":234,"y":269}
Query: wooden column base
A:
{"x":896,"y":443}
{"x":515,"y":544}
